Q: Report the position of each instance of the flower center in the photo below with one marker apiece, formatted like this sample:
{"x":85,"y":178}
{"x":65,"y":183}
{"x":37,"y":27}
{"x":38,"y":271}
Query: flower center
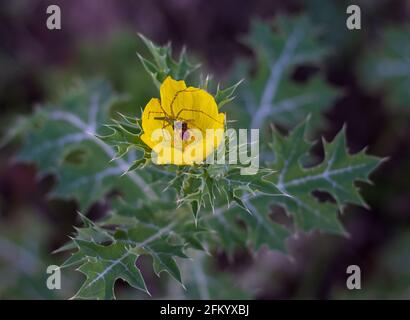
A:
{"x":182,"y":128}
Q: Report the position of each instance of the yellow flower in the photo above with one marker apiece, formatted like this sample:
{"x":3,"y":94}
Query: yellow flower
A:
{"x":178,"y":127}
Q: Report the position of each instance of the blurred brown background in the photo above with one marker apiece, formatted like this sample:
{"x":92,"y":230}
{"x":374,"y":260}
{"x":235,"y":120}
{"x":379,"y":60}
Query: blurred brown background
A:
{"x":98,"y":37}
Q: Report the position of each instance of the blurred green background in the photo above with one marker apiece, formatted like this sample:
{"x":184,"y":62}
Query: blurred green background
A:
{"x":370,"y":67}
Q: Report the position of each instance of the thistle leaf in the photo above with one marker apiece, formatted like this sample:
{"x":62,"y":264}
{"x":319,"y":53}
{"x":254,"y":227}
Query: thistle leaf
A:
{"x":291,"y":186}
{"x":271,"y":94}
{"x":63,"y":139}
{"x":335,"y":175}
{"x":164,"y":64}
{"x":106,"y":264}
{"x":92,"y":160}
{"x":386,"y":65}
{"x":224,"y":96}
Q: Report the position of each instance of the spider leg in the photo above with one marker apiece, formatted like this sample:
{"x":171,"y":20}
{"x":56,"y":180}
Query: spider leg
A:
{"x":190,"y":121}
{"x":200,"y":111}
{"x":176,"y":95}
{"x":162,"y":108}
{"x":164,"y":126}
{"x":155,"y":112}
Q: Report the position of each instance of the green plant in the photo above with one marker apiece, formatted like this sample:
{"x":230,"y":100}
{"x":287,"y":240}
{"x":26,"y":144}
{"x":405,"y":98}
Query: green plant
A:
{"x":169,"y":212}
{"x":385,"y":64}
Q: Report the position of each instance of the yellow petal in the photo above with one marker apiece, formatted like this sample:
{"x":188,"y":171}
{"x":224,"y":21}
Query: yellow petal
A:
{"x":170,"y":90}
{"x":147,"y":140}
{"x":197,"y":107}
{"x":192,"y":105}
{"x":150,"y":121}
{"x":152,"y":111}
